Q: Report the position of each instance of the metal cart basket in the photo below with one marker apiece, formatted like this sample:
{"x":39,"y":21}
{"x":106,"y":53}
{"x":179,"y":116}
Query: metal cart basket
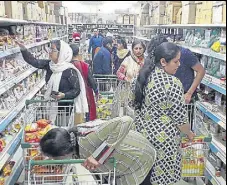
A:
{"x":64,"y":172}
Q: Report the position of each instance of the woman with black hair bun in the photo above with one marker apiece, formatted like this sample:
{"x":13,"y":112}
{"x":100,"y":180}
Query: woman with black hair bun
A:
{"x":116,"y":138}
{"x":161,"y":114}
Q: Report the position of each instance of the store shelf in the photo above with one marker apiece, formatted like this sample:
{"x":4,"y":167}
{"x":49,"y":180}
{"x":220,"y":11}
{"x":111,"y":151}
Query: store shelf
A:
{"x":15,"y":173}
{"x":189,"y":26}
{"x":142,"y":38}
{"x":205,"y":51}
{"x":17,"y":49}
{"x":219,"y":149}
{"x":215,"y":84}
{"x":10,"y":149}
{"x":13,"y":81}
{"x":14,"y":112}
{"x":17,"y":169}
{"x":217,"y":117}
{"x":8,"y":21}
{"x":211,"y":175}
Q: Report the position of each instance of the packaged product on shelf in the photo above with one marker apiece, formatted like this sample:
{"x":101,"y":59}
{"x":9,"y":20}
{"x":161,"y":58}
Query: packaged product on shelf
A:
{"x":8,"y":168}
{"x":223,"y":134}
{"x":204,"y":61}
{"x":4,"y":35}
{"x":215,"y":129}
{"x":223,"y":42}
{"x":2,"y":144}
{"x":213,"y":66}
{"x":19,"y":91}
{"x":10,"y":99}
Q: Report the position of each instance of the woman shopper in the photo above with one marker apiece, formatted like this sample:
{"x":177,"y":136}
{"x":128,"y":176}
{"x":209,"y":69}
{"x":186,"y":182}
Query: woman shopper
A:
{"x":120,"y":54}
{"x":131,"y":65}
{"x":114,"y":138}
{"x":161,"y":114}
{"x":61,"y":77}
{"x":89,"y":82}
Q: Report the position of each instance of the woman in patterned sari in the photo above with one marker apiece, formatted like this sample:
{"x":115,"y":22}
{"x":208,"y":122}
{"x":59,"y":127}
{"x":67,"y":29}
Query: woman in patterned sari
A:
{"x":158,"y":99}
{"x":116,"y":138}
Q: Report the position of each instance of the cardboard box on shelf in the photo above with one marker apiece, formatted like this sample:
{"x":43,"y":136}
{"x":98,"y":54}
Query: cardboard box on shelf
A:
{"x":132,"y":19}
{"x":198,"y":14}
{"x":66,"y":12}
{"x":43,"y":15}
{"x":179,"y":16}
{"x":188,"y":14}
{"x":20,"y":14}
{"x":2,"y":9}
{"x":207,"y":4}
{"x":34,"y":11}
{"x":206,"y":16}
{"x":224,"y":14}
{"x":11,"y":9}
{"x":217,"y":14}
{"x":51,"y":6}
{"x":47,"y":17}
{"x":27,"y":11}
{"x":187,"y":2}
{"x":126,"y":19}
{"x":175,"y":3}
{"x":47,"y":8}
{"x":171,"y":12}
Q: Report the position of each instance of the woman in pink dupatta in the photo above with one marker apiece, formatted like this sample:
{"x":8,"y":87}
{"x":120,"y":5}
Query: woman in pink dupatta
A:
{"x":90,"y":83}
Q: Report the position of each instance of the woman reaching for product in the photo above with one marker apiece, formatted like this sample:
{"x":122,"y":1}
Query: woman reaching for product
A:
{"x":131,"y":65}
{"x":114,"y":138}
{"x":161,"y":114}
{"x":61,"y":77}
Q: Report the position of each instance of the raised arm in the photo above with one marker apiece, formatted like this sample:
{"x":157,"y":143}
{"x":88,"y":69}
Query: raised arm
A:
{"x":30,"y":59}
{"x":112,"y":134}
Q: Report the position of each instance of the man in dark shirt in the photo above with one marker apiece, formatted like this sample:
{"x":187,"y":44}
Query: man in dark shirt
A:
{"x":95,"y":42}
{"x":189,"y":64}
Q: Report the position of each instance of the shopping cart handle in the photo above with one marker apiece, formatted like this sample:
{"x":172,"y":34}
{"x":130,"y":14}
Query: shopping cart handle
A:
{"x":105,"y":76}
{"x":64,"y":161}
{"x":206,"y":139}
{"x":28,"y":102}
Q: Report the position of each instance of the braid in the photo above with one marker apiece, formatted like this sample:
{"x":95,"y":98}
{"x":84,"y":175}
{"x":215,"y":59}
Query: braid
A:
{"x":73,"y":132}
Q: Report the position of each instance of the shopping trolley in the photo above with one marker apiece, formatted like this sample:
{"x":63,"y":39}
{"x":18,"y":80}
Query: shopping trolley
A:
{"x":40,"y":117}
{"x":195,"y":153}
{"x":67,"y":172}
{"x":107,"y":85}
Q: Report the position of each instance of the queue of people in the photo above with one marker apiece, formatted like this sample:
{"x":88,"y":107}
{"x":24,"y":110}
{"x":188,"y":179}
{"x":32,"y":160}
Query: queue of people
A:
{"x":146,"y":148}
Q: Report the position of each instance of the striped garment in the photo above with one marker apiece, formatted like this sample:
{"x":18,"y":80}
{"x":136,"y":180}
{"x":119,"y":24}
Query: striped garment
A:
{"x":115,"y":138}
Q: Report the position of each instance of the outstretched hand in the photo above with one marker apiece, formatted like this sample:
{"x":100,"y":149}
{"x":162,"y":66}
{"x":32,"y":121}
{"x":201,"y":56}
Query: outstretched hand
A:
{"x":91,"y":163}
{"x":20,"y":44}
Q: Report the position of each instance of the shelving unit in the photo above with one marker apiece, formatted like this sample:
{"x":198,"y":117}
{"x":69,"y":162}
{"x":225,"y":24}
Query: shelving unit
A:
{"x":13,"y":151}
{"x":219,"y":85}
{"x":123,"y":30}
